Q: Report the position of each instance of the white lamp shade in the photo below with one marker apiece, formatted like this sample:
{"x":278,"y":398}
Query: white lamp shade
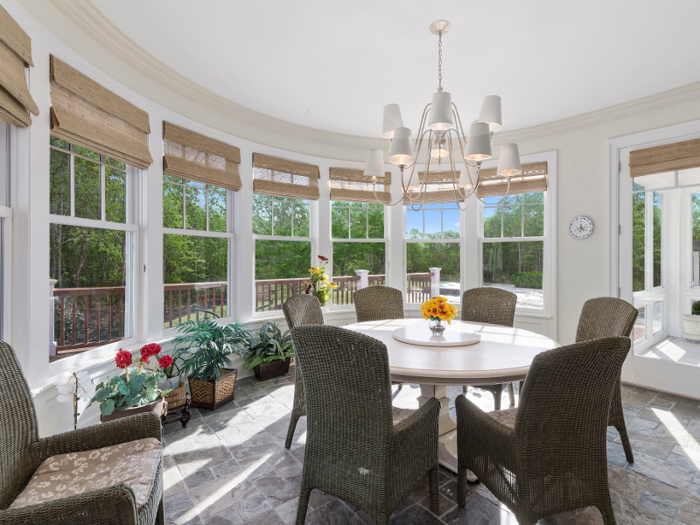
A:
{"x":439,"y":149}
{"x":441,"y":111}
{"x":401,"y":152}
{"x":392,"y":120}
{"x":491,"y":112}
{"x":411,"y":182}
{"x":509,"y":161}
{"x":479,"y":142}
{"x":375,"y":163}
{"x":464,"y":180}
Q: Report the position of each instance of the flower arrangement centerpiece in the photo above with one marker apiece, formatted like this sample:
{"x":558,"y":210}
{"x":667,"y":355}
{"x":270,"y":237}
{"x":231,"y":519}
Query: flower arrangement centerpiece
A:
{"x":71,"y":388}
{"x":438,"y":311}
{"x":136,"y":386}
{"x":319,"y":285}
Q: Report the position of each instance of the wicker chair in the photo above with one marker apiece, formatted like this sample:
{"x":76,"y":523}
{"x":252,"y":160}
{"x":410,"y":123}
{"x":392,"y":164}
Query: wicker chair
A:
{"x":300,"y":310}
{"x":22,"y":452}
{"x":492,"y":306}
{"x":549,"y":455}
{"x":353,"y":449}
{"x":609,"y":317}
{"x":375,"y":303}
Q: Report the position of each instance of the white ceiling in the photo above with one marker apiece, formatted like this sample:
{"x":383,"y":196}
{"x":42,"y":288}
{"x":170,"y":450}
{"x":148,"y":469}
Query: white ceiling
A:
{"x":334,"y":65}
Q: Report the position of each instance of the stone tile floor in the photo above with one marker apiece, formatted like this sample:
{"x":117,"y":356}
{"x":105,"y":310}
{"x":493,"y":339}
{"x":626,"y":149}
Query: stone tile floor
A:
{"x":230,"y":467}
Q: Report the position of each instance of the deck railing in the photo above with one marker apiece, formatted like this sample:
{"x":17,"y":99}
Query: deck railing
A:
{"x":418,"y":287}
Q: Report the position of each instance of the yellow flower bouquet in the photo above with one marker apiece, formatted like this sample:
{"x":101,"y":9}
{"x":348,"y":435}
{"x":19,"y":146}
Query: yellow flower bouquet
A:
{"x":319,"y":284}
{"x":437,"y":310}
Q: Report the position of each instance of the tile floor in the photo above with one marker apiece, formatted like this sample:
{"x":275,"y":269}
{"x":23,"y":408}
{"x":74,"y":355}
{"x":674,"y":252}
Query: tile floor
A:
{"x":230,"y":467}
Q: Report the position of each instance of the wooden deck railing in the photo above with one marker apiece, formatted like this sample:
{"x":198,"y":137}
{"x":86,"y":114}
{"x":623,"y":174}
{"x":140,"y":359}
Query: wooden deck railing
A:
{"x":185,"y":301}
{"x":418,"y":287}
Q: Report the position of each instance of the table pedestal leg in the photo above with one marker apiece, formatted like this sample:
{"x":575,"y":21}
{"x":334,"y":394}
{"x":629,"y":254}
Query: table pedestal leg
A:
{"x":447,"y":446}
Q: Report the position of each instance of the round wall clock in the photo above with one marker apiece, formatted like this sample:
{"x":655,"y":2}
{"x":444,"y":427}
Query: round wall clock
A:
{"x":580,"y":227}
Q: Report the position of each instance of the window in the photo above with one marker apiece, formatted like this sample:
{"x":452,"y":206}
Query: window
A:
{"x":6,"y":144}
{"x":195,"y":250}
{"x":282,"y":249}
{"x":93,"y":240}
{"x":354,"y":225}
{"x":433,"y":241}
{"x":513,"y":246}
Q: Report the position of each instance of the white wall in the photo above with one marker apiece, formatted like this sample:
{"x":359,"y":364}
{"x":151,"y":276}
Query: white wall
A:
{"x":582,"y":190}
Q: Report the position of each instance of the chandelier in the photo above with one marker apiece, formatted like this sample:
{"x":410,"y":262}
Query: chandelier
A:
{"x":442,"y":143}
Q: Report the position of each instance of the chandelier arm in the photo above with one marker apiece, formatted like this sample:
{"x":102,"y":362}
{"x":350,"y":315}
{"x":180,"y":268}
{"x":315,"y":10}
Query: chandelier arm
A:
{"x":453,"y":171}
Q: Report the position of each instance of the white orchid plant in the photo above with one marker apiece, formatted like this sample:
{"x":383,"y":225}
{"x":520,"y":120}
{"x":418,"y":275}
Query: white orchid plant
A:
{"x":74,"y":387}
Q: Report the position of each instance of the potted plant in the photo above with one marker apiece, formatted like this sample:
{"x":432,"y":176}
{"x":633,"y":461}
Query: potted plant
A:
{"x":691,"y":324}
{"x":134,"y":391}
{"x":269,"y":352}
{"x":207,"y":347}
{"x":319,"y":286}
{"x":177,"y":395}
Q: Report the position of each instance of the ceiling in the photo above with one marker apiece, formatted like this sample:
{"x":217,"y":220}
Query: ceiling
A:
{"x":333,"y":66}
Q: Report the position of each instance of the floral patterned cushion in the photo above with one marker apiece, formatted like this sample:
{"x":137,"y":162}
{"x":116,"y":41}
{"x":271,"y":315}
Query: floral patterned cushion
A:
{"x":135,"y":463}
{"x":505,"y":417}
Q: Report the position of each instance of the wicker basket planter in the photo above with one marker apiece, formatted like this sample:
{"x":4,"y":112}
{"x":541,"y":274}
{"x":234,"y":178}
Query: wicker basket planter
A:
{"x":212,"y":394}
{"x":159,"y":407}
{"x":275,"y":368}
{"x":177,"y":397}
{"x":691,"y":327}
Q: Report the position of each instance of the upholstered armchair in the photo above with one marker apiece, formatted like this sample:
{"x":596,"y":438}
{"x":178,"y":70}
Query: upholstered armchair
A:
{"x":123,"y":484}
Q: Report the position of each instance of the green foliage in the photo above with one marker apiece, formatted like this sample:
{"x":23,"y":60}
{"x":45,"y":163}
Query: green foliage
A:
{"x":503,"y":260}
{"x":207,"y":347}
{"x":528,"y":280}
{"x":268,"y":344}
{"x":282,"y":259}
{"x":129,"y":390}
{"x":639,"y":237}
{"x":696,"y":308}
{"x":420,"y":256}
{"x":351,"y":256}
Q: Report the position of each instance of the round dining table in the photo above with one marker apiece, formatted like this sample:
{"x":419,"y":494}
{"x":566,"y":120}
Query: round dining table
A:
{"x":503,"y":355}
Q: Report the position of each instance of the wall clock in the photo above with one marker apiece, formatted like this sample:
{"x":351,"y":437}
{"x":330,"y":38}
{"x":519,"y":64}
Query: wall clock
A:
{"x":580,"y":227}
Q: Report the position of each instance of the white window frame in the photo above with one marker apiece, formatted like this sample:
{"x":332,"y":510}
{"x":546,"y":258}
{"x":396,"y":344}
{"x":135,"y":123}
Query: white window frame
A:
{"x":383,"y":239}
{"x":132,"y":226}
{"x":8,"y":139}
{"x":549,"y":277}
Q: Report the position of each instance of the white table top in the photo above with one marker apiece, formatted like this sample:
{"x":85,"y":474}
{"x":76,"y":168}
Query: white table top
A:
{"x":503,"y":355}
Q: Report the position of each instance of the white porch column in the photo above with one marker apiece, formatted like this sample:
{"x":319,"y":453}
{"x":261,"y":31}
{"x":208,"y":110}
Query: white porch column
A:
{"x":435,"y":282}
{"x":364,"y":279}
{"x":52,"y":341}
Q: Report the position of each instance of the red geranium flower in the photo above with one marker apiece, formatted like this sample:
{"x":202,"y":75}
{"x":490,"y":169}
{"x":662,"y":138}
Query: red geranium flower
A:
{"x":323,"y":258}
{"x":123,"y":358}
{"x":308,"y":289}
{"x":165,"y":362}
{"x":149,"y":350}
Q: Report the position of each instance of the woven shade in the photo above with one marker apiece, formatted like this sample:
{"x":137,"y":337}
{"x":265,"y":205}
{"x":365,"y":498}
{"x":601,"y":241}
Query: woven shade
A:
{"x":669,"y":157}
{"x":533,"y":179}
{"x":440,"y":189}
{"x":285,"y":178}
{"x":15,"y":54}
{"x":85,"y":113}
{"x":199,"y":158}
{"x":354,"y":186}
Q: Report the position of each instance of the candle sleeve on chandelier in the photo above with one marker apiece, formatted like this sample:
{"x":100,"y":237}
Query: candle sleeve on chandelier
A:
{"x":479,"y":142}
{"x":441,"y":112}
{"x":375,"y":164}
{"x":401,"y":152}
{"x":509,"y":161}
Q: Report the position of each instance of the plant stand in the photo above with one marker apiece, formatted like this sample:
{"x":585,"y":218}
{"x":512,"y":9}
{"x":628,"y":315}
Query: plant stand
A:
{"x":185,"y":415}
{"x":213,"y":394}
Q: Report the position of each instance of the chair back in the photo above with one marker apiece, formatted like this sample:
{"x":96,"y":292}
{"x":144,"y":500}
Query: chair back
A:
{"x":562,"y":419}
{"x":375,"y":303}
{"x":489,"y":305}
{"x":348,"y":408}
{"x":301,"y":309}
{"x":605,"y":317}
{"x":18,"y":428}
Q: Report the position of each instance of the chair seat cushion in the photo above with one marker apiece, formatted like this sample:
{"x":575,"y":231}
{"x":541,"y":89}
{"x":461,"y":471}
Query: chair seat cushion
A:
{"x":505,"y":417}
{"x":134,"y":462}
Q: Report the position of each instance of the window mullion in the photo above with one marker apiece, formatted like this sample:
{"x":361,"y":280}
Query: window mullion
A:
{"x":71,"y":163}
{"x":103,"y":191}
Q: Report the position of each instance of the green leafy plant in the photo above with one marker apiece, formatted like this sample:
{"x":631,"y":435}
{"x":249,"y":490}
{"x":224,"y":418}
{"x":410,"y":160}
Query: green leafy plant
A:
{"x":207,"y":346}
{"x":696,"y":308}
{"x":528,"y":280}
{"x":268,"y":344}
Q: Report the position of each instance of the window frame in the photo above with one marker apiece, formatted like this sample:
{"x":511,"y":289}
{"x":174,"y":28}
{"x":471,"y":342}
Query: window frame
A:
{"x":9,"y":138}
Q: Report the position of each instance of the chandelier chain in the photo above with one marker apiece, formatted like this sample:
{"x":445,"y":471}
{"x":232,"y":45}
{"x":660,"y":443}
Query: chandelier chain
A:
{"x":440,"y":61}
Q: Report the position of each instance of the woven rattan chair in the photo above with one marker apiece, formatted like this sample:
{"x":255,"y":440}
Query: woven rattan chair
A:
{"x":375,"y":303}
{"x":492,"y":306}
{"x":353,"y":449}
{"x":21,"y":453}
{"x":609,"y":317}
{"x":549,"y":455}
{"x":300,"y":310}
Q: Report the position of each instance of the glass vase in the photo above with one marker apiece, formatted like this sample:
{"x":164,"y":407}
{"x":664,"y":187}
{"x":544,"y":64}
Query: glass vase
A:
{"x":437,"y":326}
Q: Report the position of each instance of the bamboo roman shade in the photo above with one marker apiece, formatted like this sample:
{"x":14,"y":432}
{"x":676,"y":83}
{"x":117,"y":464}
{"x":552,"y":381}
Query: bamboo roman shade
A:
{"x":199,"y":158}
{"x":440,"y":189}
{"x":284,"y":178}
{"x":354,"y":186}
{"x":15,"y":54}
{"x":87,"y":114}
{"x":669,"y":157}
{"x":533,"y":178}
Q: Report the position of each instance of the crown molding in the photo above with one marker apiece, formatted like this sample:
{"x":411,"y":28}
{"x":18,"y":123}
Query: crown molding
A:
{"x":103,"y":31}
